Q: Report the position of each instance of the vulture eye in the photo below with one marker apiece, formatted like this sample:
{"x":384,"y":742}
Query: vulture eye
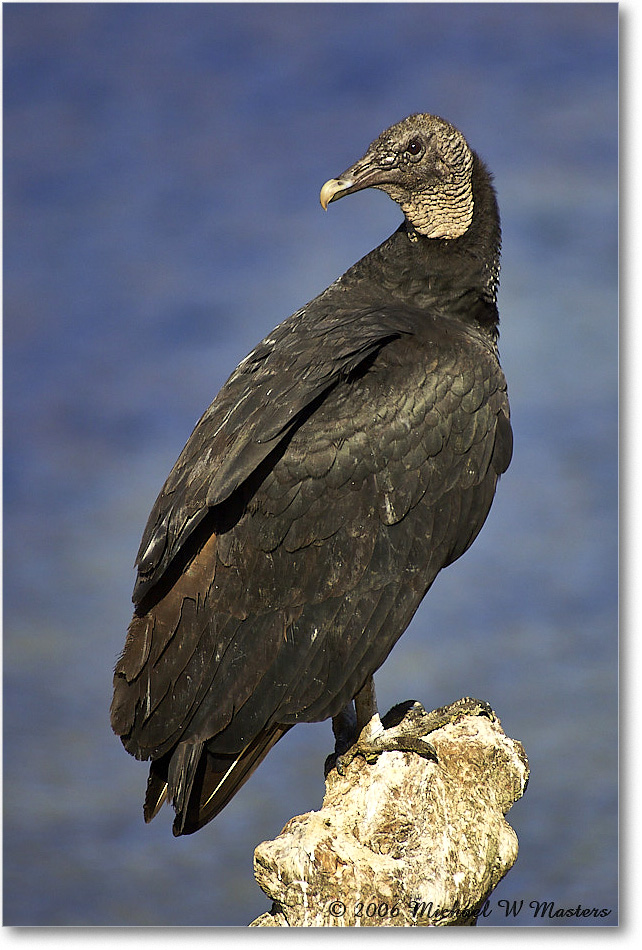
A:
{"x":414,"y":148}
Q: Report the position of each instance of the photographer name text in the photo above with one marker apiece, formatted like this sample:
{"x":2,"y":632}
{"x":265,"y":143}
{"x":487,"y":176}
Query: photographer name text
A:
{"x":426,"y":910}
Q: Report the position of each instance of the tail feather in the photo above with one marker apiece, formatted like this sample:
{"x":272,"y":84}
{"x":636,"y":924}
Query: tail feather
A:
{"x":156,"y":793}
{"x":199,"y":783}
{"x":220,"y":777}
{"x":172,"y":776}
{"x":183,"y":770}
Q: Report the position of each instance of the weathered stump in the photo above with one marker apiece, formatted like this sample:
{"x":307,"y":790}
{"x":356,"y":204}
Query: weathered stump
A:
{"x":404,"y":841}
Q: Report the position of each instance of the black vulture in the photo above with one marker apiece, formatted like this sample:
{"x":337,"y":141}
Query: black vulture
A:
{"x":349,"y":458}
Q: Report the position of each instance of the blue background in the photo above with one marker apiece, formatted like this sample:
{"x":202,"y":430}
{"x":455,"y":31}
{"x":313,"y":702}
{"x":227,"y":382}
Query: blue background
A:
{"x":162,"y":170}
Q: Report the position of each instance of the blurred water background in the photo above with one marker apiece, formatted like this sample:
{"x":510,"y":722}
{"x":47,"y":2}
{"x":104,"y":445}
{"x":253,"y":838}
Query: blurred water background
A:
{"x":162,"y":170}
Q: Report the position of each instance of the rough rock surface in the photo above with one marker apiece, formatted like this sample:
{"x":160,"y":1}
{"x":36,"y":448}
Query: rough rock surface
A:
{"x":404,"y":841}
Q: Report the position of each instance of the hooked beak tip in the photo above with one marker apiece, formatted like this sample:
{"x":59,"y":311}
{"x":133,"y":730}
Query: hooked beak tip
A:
{"x":332,"y":190}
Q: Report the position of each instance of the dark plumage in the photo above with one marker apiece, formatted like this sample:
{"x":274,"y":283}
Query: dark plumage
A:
{"x":348,"y":459}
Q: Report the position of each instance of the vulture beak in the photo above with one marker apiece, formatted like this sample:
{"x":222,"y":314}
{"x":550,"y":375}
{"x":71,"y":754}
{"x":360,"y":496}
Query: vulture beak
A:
{"x":365,"y":174}
{"x":332,"y":190}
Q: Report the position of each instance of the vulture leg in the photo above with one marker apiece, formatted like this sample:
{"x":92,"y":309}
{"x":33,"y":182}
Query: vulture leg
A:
{"x":344,"y":727}
{"x":365,"y":704}
{"x":402,"y":730}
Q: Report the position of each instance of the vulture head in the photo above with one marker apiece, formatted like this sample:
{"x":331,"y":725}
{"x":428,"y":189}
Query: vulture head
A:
{"x":425,"y":165}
